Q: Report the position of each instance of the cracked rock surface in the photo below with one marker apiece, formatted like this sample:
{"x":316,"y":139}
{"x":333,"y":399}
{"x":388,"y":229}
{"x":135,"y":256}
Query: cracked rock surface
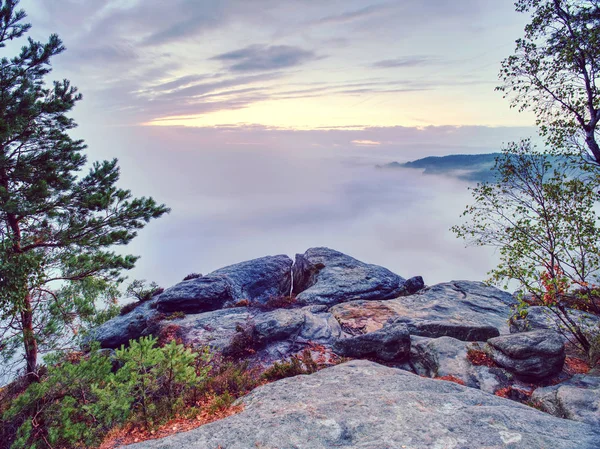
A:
{"x":361,"y":404}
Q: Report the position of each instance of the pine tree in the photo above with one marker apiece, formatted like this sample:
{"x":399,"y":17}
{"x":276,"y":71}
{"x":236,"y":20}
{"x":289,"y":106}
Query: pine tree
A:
{"x":57,"y":225}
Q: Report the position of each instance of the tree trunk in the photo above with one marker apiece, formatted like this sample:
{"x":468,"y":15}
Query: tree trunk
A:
{"x":30,"y":343}
{"x":590,"y":140}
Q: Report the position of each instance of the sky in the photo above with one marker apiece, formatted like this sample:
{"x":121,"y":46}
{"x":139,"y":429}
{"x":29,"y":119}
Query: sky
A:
{"x":259,"y":122}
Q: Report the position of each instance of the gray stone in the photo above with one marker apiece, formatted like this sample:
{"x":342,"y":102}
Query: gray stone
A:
{"x":319,"y":326}
{"x":260,"y":279}
{"x":447,"y":356}
{"x":540,"y":317}
{"x":119,"y":330}
{"x":325,"y":276}
{"x":279,"y":324}
{"x":413,"y":285}
{"x":535,"y":354}
{"x":577,"y":399}
{"x":390,"y":343}
{"x":203,"y":294}
{"x":256,"y":280}
{"x":361,"y":404}
{"x":469,"y":311}
{"x":215,"y":329}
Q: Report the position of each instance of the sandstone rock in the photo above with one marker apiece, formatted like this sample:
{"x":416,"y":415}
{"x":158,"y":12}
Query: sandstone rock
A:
{"x":540,"y":317}
{"x":255,"y":280}
{"x":325,"y":276}
{"x":413,"y":285}
{"x":119,"y":330}
{"x":278,"y":324}
{"x":392,"y":342}
{"x":446,"y":356}
{"x":361,"y":404}
{"x":215,"y":329}
{"x":469,"y":311}
{"x":535,"y":354}
{"x":577,"y":399}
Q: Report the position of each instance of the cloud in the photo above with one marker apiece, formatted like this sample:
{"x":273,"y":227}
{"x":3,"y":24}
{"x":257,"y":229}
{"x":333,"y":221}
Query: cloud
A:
{"x":105,"y":54}
{"x":408,"y":61}
{"x":366,"y":143}
{"x":264,"y":57}
{"x":353,"y":15}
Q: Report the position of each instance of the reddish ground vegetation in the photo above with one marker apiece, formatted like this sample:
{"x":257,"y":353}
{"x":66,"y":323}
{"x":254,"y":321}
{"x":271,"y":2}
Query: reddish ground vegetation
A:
{"x":277,"y":302}
{"x":480,"y":358}
{"x":515,"y":393}
{"x":451,"y":378}
{"x":503,"y":392}
{"x":242,"y":303}
{"x":170,"y":333}
{"x":208,"y":414}
{"x":574,"y":365}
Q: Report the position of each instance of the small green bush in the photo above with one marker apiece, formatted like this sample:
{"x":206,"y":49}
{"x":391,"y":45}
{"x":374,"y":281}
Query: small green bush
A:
{"x":295,"y":366}
{"x":79,"y":400}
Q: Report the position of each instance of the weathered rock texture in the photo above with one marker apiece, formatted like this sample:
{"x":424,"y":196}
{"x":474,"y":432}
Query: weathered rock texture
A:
{"x":540,"y":317}
{"x":254,"y":280}
{"x":468,"y":311}
{"x":577,"y":399}
{"x":391,"y":343}
{"x":535,"y":354}
{"x":325,"y":276}
{"x":361,"y":404}
{"x":447,"y":356}
{"x":121,"y":329}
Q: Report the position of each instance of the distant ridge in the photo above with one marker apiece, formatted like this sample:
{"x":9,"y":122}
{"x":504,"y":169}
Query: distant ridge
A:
{"x":468,"y":167}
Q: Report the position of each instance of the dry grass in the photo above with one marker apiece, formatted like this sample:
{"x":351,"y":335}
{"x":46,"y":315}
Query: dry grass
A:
{"x":451,"y":378}
{"x":135,"y":434}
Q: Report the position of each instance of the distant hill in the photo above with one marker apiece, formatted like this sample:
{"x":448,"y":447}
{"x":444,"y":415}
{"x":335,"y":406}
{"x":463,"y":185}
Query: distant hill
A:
{"x":468,"y":167}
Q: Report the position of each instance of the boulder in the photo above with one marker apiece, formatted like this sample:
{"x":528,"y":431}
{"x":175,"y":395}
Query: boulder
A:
{"x":119,"y":330}
{"x":215,"y":329}
{"x":361,"y":404}
{"x":413,"y":285}
{"x":468,"y":311}
{"x":390,"y":343}
{"x":577,"y":399}
{"x":255,"y":280}
{"x":540,"y":317}
{"x":447,"y":356}
{"x":535,"y":355}
{"x":278,"y":324}
{"x":325,"y":276}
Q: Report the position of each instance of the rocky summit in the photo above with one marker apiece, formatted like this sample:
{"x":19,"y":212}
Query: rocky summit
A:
{"x":269,"y":309}
{"x":361,"y":404}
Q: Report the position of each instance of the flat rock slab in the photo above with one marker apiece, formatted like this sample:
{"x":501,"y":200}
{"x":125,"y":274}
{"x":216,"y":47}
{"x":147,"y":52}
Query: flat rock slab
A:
{"x":255,"y":280}
{"x":465,"y":310}
{"x":361,"y":404}
{"x":536,"y":354}
{"x":577,"y":399}
{"x":325,"y":276}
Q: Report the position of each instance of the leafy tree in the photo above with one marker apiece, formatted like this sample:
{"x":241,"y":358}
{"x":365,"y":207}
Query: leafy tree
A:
{"x":541,"y":218}
{"x":57,"y":226}
{"x":555,"y":70}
